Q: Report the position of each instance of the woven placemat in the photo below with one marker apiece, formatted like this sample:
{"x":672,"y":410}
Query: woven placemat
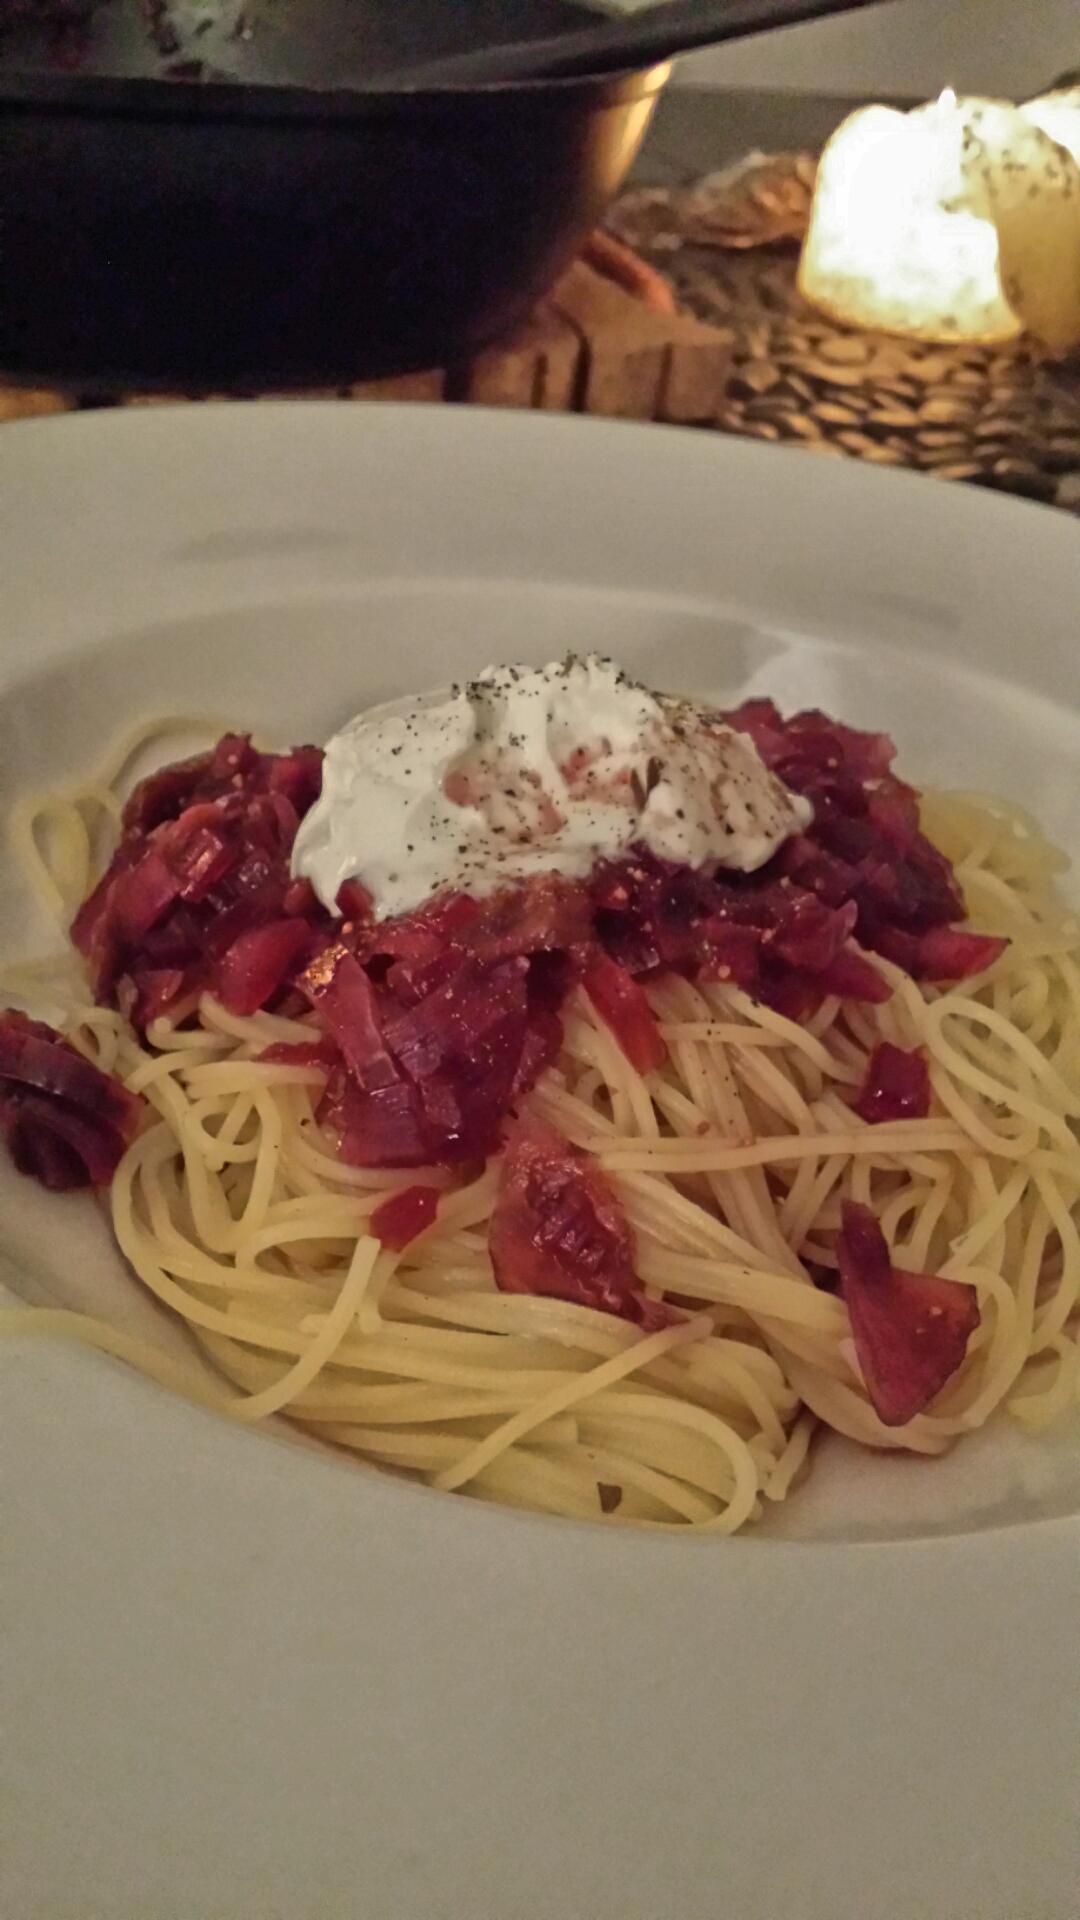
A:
{"x":999,"y":416}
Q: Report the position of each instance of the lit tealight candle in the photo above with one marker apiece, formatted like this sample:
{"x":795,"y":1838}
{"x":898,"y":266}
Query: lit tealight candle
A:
{"x":959,"y":221}
{"x":1058,"y":114}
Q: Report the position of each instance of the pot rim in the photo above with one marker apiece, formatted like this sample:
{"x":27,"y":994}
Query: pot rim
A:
{"x":99,"y":95}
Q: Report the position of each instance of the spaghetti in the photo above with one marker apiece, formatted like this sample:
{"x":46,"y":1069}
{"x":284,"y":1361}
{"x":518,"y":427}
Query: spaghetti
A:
{"x":732,"y":1160}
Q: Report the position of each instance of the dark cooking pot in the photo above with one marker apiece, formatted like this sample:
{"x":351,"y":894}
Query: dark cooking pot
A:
{"x":230,"y":234}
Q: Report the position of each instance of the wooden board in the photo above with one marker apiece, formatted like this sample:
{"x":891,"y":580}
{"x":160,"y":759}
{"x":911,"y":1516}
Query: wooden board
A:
{"x":539,"y":368}
{"x":607,"y":340}
{"x":31,"y":403}
{"x":641,"y":364}
{"x":680,"y":312}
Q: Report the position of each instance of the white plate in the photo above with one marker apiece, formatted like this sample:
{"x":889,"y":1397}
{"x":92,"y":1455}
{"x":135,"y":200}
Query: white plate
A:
{"x":249,"y":1680}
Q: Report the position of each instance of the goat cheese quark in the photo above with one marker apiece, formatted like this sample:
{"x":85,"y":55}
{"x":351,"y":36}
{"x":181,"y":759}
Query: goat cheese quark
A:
{"x":530,"y":770}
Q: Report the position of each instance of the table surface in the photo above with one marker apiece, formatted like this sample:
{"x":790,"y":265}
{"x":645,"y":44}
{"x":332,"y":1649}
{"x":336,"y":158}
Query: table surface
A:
{"x":696,"y":129}
{"x":1000,"y":417}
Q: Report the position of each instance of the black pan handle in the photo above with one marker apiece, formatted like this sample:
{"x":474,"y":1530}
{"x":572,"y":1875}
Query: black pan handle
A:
{"x":641,"y":40}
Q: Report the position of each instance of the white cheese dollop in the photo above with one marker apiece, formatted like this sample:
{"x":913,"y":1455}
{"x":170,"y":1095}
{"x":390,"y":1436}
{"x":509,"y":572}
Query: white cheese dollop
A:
{"x":532,"y":770}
